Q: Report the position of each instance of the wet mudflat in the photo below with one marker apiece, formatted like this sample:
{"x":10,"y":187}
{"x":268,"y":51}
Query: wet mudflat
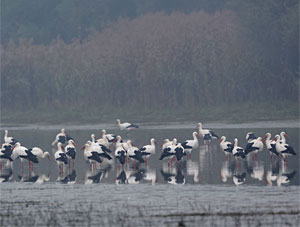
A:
{"x":206,"y":189}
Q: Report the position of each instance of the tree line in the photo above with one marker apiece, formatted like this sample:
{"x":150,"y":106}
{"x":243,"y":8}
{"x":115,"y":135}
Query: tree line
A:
{"x":158,"y":60}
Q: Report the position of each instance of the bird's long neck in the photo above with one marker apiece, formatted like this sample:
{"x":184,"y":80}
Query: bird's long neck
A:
{"x":152,"y":143}
{"x":195,"y":137}
{"x":235,"y":142}
{"x":268,"y":138}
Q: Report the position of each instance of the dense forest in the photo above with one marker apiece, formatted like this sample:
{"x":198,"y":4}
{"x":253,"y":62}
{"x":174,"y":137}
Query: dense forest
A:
{"x":138,"y":56}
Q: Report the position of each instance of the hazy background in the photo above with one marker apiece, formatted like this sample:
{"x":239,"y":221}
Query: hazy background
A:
{"x":148,"y":60}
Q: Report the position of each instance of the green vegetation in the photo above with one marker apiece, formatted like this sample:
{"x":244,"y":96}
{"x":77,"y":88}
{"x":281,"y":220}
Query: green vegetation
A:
{"x":223,"y":60}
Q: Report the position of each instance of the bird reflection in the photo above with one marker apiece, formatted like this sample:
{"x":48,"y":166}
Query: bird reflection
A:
{"x":6,"y":174}
{"x":192,"y":169}
{"x":273,"y":172}
{"x":93,"y":177}
{"x":35,"y":178}
{"x":136,"y":176}
{"x":239,"y":175}
{"x":171,"y":178}
{"x":226,"y":170}
{"x":285,"y":175}
{"x":72,"y":177}
{"x":255,"y":169}
{"x":121,"y":178}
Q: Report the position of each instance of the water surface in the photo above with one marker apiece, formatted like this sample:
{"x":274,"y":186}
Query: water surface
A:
{"x":207,"y":188}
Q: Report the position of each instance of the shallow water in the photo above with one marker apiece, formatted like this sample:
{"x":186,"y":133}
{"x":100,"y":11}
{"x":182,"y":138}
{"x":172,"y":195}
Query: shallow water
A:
{"x":207,"y":189}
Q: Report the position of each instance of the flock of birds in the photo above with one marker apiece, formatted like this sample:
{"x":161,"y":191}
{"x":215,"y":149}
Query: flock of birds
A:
{"x":99,"y":150}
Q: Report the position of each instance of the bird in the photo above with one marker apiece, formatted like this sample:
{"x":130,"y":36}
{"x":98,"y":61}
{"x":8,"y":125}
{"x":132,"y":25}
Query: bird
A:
{"x":148,"y":150}
{"x":121,"y":154}
{"x":100,"y":148}
{"x":119,"y":142}
{"x":5,"y":154}
{"x":103,"y":141}
{"x":284,"y":149}
{"x":255,"y":146}
{"x":70,"y":151}
{"x":226,"y":146}
{"x":39,"y":153}
{"x":250,"y":136}
{"x":238,"y":151}
{"x":189,"y":145}
{"x":134,"y":153}
{"x":24,"y":153}
{"x":239,"y":179}
{"x":110,"y":137}
{"x":9,"y":139}
{"x":270,"y":144}
{"x":179,"y":151}
{"x":60,"y":157}
{"x":91,"y":155}
{"x":126,"y":125}
{"x":169,"y":151}
{"x":206,"y":134}
{"x":285,"y":178}
{"x":283,"y":137}
{"x":62,"y":137}
{"x":165,"y":144}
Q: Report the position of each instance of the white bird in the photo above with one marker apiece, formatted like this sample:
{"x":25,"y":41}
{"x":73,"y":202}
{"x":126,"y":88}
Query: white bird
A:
{"x":62,"y":137}
{"x":148,"y":150}
{"x":121,"y":143}
{"x":91,"y":155}
{"x":121,"y":154}
{"x":39,"y":153}
{"x":206,"y":134}
{"x":284,"y":149}
{"x":100,"y":148}
{"x":70,"y":151}
{"x":169,"y":151}
{"x":283,"y":137}
{"x":179,"y":151}
{"x":134,"y":153}
{"x":126,"y":125}
{"x":237,"y":151}
{"x":189,"y":145}
{"x":60,"y":157}
{"x":226,"y":146}
{"x":165,"y":144}
{"x":23,"y":153}
{"x":270,"y":144}
{"x":250,"y":136}
{"x":103,"y":141}
{"x":255,"y":146}
{"x":9,"y":139}
{"x":110,"y":137}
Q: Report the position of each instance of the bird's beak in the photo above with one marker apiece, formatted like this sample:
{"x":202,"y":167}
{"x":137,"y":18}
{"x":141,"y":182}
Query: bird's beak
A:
{"x":286,"y":135}
{"x":74,"y":144}
{"x":49,"y":158}
{"x":83,"y":148}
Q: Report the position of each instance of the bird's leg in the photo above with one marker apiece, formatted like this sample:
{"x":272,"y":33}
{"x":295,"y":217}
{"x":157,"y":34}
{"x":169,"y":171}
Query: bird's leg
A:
{"x":146,"y":162}
{"x":134,"y":165}
{"x":72,"y":163}
{"x":255,"y":156}
{"x":227,"y":158}
{"x":0,"y":166}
